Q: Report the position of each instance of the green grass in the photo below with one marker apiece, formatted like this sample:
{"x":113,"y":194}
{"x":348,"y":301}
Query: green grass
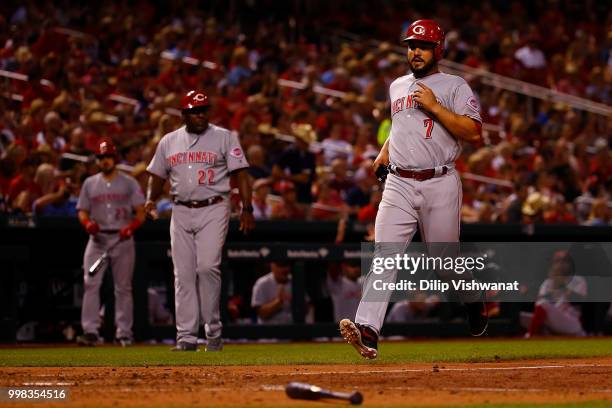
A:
{"x":478,"y":350}
{"x":586,"y":404}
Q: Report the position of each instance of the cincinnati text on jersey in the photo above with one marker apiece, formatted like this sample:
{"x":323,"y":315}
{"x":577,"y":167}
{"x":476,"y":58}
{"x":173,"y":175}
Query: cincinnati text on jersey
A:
{"x":406,"y":102}
{"x":110,"y":197}
{"x":191,"y":157}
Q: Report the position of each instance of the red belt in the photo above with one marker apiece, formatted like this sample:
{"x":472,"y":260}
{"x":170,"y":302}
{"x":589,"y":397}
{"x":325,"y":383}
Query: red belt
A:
{"x":419,"y":175}
{"x":200,"y":204}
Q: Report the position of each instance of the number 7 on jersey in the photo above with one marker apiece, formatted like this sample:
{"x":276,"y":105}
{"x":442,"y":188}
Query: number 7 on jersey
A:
{"x":428,"y":124}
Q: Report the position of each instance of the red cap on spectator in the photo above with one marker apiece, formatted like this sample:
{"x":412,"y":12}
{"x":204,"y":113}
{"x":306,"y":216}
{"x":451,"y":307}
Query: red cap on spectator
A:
{"x":194,"y":99}
{"x":285,"y":186}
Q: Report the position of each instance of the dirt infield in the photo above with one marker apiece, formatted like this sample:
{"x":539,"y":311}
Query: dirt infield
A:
{"x":567,"y":380}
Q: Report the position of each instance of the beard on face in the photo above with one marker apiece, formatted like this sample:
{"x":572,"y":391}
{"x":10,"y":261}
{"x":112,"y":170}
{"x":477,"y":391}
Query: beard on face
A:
{"x":196,"y":128}
{"x":108,"y":170}
{"x":425,"y":68}
{"x":195,"y":124}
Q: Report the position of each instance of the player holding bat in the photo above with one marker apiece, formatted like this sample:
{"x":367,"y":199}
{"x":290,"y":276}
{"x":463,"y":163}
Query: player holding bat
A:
{"x":111,"y":208}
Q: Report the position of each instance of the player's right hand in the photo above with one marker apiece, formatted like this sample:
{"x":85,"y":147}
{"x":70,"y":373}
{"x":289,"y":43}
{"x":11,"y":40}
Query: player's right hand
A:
{"x":151,"y":210}
{"x":92,"y":227}
{"x":247,"y":222}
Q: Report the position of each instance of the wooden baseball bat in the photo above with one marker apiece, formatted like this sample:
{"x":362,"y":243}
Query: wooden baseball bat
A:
{"x":297,"y":390}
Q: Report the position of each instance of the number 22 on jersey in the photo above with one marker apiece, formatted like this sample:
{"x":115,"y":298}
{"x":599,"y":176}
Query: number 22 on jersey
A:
{"x":206,"y":176}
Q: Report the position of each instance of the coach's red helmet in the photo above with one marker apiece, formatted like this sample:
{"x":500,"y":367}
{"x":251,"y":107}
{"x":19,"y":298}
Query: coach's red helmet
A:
{"x":428,"y":31}
{"x":194,"y":99}
{"x":106,"y":148}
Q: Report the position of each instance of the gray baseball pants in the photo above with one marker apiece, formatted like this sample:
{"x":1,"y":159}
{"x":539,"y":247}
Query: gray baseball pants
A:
{"x":197,"y":236}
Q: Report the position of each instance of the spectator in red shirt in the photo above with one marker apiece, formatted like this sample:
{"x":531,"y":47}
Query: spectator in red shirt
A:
{"x":329,"y":204}
{"x":23,"y":189}
{"x":368,"y":213}
{"x":340,"y":181}
{"x":98,"y":126}
{"x":288,"y":208}
{"x":10,"y":164}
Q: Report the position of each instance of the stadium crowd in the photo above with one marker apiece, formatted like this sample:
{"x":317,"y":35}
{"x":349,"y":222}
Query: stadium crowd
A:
{"x":76,"y":74}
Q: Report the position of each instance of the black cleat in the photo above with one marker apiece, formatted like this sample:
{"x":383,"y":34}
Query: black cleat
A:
{"x":185,"y":346}
{"x":478,"y":318}
{"x":215,"y":344}
{"x":87,"y":339}
{"x":363,"y":338}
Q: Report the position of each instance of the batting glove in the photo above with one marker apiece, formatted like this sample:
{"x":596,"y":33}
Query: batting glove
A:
{"x":92,"y":227}
{"x":381,"y":173}
{"x":126,"y":233}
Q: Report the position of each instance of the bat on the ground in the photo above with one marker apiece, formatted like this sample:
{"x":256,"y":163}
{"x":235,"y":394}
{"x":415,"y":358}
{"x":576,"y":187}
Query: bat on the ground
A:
{"x":297,"y":390}
{"x":102,"y":262}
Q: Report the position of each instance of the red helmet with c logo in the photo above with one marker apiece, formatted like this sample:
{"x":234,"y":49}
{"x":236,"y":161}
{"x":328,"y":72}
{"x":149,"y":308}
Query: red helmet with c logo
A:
{"x":106,"y":148}
{"x":428,"y":31}
{"x":194,"y":99}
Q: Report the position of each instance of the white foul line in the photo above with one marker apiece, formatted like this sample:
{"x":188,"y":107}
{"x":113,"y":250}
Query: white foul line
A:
{"x":484,"y":389}
{"x":423,"y":370}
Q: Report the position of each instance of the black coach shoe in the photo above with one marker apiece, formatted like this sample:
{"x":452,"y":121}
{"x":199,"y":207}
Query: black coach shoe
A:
{"x":215,"y":344}
{"x":364,"y":339}
{"x":185,"y":346}
{"x":87,"y":339}
{"x":478,"y":318}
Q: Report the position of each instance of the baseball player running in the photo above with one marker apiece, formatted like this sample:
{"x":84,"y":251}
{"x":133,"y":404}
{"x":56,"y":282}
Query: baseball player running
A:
{"x":110,"y":209}
{"x":198,"y":159}
{"x":431,"y":113}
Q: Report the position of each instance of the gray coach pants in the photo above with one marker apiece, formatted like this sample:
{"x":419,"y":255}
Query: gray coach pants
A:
{"x":197,"y":236}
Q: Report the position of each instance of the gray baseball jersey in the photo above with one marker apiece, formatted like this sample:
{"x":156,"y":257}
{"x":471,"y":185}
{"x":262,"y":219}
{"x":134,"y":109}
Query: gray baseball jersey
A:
{"x":416,"y":140}
{"x":198,"y":166}
{"x":111,"y":205}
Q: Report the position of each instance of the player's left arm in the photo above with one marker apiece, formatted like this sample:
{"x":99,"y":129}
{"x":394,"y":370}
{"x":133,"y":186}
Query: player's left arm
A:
{"x":460,"y":126}
{"x":237,"y":165}
{"x":247,"y":221}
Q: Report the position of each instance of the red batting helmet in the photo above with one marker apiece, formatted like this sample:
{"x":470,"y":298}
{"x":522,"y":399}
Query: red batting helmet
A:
{"x":106,"y":148}
{"x":194,"y":99}
{"x":428,"y":31}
